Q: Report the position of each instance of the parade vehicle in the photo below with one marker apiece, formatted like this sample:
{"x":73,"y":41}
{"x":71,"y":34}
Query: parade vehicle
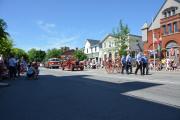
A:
{"x":52,"y":63}
{"x":72,"y":64}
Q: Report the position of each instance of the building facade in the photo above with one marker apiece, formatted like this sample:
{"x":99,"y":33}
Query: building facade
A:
{"x":110,"y":48}
{"x":92,"y":49}
{"x":164,"y":32}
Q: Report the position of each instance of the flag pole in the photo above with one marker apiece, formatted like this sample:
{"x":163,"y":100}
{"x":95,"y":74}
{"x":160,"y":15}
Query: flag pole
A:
{"x":154,"y":48}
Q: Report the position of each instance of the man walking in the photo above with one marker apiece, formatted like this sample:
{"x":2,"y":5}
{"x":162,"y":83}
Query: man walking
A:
{"x":128,"y":64}
{"x":123,"y":63}
{"x":12,"y":67}
{"x":138,"y":63}
{"x":145,"y":64}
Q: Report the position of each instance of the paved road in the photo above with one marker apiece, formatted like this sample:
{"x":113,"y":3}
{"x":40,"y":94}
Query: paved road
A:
{"x":91,"y":95}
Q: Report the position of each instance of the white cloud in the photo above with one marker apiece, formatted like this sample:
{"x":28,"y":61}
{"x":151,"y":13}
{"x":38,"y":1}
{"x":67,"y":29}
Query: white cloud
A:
{"x":46,"y":27}
{"x":52,"y":38}
{"x":49,"y":41}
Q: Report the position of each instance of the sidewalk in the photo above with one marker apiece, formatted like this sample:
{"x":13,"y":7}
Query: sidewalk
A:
{"x":161,"y":77}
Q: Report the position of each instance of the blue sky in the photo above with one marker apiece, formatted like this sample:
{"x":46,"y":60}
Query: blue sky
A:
{"x":46,"y":24}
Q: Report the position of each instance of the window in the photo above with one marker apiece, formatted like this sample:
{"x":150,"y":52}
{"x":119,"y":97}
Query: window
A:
{"x":109,"y":44}
{"x":115,"y":44}
{"x":95,"y":48}
{"x":91,"y":50}
{"x":87,"y":50}
{"x":175,"y":27}
{"x":165,"y":14}
{"x":164,"y":29}
{"x":104,"y":45}
{"x":169,"y":13}
{"x":169,"y":28}
{"x":173,"y":12}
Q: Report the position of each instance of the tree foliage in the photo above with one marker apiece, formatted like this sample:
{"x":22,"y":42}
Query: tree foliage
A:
{"x":121,"y":34}
{"x":5,"y":46}
{"x":19,"y":53}
{"x":3,"y":27}
{"x":36,"y":55}
{"x":6,"y":43}
{"x":53,"y":53}
{"x":79,"y":54}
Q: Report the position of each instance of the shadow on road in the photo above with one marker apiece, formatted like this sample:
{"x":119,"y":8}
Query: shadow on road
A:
{"x":78,"y":98}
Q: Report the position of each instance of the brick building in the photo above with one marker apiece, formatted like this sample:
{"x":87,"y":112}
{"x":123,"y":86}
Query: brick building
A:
{"x":164,"y":32}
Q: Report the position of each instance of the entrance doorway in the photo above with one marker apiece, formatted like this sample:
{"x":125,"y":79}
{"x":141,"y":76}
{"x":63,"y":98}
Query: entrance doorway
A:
{"x":172,"y":51}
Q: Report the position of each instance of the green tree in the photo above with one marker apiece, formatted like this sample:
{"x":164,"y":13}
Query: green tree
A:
{"x":79,"y":54}
{"x":51,"y":53}
{"x":121,"y":34}
{"x":19,"y":53}
{"x":40,"y":55}
{"x":36,"y":55}
{"x":6,"y":43}
{"x":32,"y":54}
{"x":3,"y":27}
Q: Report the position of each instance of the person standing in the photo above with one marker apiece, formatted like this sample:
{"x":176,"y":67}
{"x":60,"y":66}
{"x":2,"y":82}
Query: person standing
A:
{"x":18,"y":68}
{"x":123,"y":63}
{"x":145,"y":65}
{"x":12,"y":67}
{"x":128,"y":64}
{"x":138,"y":63}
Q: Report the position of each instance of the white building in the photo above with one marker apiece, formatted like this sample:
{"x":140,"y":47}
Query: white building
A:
{"x":92,"y":49}
{"x":111,"y":50}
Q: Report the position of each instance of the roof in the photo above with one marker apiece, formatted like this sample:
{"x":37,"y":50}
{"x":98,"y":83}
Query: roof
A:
{"x":93,"y":42}
{"x":69,"y":52}
{"x":160,"y":10}
{"x":132,"y":35}
{"x":110,"y":35}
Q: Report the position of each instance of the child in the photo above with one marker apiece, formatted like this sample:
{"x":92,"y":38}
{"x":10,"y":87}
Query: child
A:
{"x":30,"y":72}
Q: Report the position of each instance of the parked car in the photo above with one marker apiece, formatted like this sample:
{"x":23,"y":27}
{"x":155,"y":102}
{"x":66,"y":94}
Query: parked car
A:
{"x":72,"y":65}
{"x":53,"y":63}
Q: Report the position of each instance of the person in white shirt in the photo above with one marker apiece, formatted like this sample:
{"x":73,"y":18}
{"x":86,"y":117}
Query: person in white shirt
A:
{"x":12,"y":67}
{"x":128,"y":64}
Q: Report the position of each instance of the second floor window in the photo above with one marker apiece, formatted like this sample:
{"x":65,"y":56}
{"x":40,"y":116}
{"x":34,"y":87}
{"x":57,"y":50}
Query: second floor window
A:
{"x":169,"y":28}
{"x":175,"y":27}
{"x":164,"y":29}
{"x":104,"y":45}
{"x":173,"y":12}
{"x":109,"y":44}
{"x":87,"y":50}
{"x":95,"y":48}
{"x":169,"y":13}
